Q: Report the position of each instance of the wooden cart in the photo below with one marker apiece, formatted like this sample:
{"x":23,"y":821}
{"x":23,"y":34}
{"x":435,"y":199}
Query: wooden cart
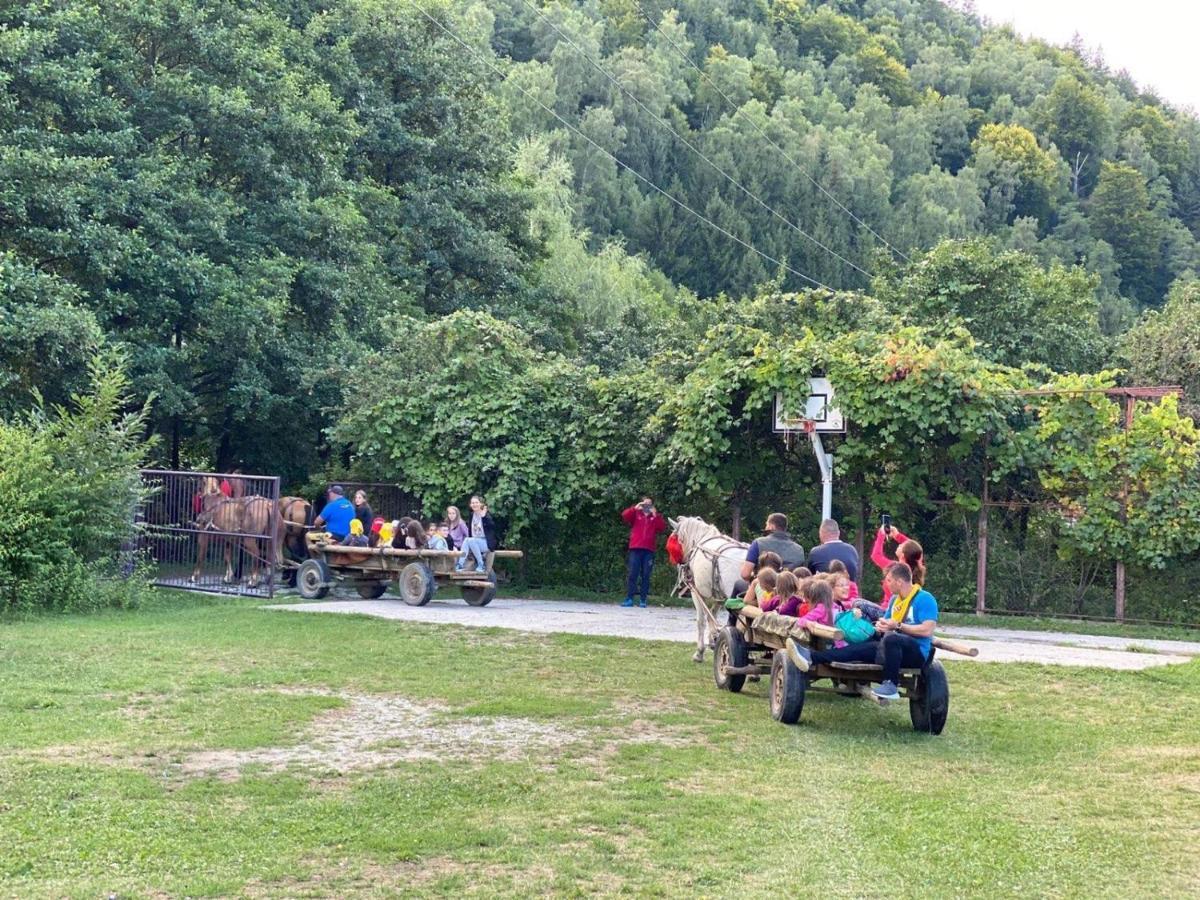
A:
{"x":371,"y":570}
{"x":745,"y":648}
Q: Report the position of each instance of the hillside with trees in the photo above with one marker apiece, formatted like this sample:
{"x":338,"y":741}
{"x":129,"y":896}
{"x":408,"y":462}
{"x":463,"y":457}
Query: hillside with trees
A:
{"x":566,"y":252}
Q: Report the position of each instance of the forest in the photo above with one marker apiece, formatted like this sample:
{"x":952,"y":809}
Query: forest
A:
{"x":565,"y":253}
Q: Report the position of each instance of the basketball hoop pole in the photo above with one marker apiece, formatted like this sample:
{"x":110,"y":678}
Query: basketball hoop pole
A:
{"x":825,"y":463}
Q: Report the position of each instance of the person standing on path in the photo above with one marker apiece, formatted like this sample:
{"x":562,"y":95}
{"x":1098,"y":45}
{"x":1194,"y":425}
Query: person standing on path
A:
{"x":645,"y":525}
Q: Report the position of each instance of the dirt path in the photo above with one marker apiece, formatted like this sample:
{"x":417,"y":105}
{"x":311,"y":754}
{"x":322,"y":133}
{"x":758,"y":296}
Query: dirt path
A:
{"x":659,"y":624}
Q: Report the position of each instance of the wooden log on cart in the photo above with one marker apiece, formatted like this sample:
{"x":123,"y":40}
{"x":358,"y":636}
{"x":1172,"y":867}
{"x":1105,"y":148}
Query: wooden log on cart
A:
{"x":955,"y":647}
{"x":816,"y":629}
{"x":828,"y":632}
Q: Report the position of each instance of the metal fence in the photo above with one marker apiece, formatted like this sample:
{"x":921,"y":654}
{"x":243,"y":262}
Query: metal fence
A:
{"x":387,"y":500}
{"x":211,"y":531}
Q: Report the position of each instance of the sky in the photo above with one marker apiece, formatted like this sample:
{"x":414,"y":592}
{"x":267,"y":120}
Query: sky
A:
{"x":1155,"y":40}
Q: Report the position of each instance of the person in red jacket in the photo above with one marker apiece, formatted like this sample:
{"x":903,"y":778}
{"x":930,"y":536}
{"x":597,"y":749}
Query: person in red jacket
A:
{"x":645,"y":525}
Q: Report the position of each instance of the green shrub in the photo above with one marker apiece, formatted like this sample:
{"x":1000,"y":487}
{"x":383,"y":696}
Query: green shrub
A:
{"x":69,"y":486}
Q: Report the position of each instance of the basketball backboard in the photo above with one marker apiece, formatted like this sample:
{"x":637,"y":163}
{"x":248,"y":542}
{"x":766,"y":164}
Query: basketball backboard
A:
{"x":819,"y":408}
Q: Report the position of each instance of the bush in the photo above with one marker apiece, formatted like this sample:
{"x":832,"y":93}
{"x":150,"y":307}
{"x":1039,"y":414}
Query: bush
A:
{"x":68,"y":488}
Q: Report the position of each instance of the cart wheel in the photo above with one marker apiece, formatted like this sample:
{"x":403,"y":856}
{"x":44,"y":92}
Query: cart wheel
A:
{"x":730,"y":651}
{"x":928,"y":713}
{"x":480,"y":596}
{"x":371,"y":590}
{"x":313,"y":579}
{"x":788,"y":685}
{"x":416,"y":584}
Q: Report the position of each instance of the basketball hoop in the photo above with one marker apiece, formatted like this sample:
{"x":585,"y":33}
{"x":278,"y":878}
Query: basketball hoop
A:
{"x":806,"y":427}
{"x":817,"y":415}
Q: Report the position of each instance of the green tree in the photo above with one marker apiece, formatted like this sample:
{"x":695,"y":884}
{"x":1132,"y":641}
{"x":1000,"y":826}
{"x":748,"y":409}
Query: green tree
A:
{"x":1018,"y":311}
{"x":1130,"y":495}
{"x":1121,"y":215}
{"x":827,"y":33}
{"x":69,"y":486}
{"x":1164,"y":346}
{"x":1163,"y":142}
{"x":1023,"y":179}
{"x":1076,"y":118}
{"x":876,"y":66}
{"x":471,"y":388}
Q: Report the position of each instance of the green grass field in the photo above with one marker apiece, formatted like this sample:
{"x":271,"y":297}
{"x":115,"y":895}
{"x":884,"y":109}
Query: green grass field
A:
{"x":204,"y":747}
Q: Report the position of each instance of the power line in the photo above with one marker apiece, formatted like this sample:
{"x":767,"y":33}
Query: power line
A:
{"x":450,"y":33}
{"x":737,"y":111}
{"x":667,"y":125}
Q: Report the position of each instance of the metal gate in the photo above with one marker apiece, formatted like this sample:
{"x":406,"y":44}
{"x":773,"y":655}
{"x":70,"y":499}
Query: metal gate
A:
{"x":387,"y":500}
{"x":211,"y":531}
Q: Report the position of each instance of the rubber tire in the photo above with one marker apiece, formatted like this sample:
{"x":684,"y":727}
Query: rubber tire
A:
{"x":788,"y":685}
{"x":929,"y":713}
{"x":313,"y":579}
{"x":416,"y":584}
{"x":730,"y":650}
{"x":371,"y":590}
{"x":480,"y":596}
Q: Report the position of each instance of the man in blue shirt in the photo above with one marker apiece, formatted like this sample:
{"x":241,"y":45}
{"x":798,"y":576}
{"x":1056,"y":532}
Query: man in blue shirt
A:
{"x":337,"y":513}
{"x":903,"y":636}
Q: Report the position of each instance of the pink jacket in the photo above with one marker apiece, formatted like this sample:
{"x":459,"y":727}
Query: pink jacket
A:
{"x":882,"y":560}
{"x":817,"y":614}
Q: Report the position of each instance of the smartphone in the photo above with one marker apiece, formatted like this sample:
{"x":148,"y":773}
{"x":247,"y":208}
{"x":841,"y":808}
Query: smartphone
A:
{"x":885,"y":521}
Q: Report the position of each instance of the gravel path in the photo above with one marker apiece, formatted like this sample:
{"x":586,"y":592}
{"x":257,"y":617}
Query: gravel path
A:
{"x":670,"y":624}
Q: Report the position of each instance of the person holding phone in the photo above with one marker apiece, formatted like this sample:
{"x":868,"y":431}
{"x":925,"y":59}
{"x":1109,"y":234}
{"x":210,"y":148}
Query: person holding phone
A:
{"x":908,"y":552}
{"x":645,"y":525}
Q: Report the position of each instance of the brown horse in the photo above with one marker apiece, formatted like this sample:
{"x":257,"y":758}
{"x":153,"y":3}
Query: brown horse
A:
{"x":250,"y":519}
{"x":295,"y":515}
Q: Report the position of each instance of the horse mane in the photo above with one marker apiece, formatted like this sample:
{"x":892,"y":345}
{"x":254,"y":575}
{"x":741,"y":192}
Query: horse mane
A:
{"x":692,"y":531}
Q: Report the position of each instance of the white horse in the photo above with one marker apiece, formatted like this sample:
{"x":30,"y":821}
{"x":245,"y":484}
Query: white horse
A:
{"x":712,"y":565}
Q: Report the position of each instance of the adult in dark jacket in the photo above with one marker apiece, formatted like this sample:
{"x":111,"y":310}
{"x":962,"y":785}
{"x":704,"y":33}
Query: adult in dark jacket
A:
{"x":362,"y":511}
{"x":833,"y":547}
{"x":645,"y":525}
{"x":776,"y":540}
{"x":483,"y":537}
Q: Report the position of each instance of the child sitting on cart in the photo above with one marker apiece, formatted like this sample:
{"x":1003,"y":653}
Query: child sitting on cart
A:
{"x":814,"y":603}
{"x":356,"y":537}
{"x":433,"y":537}
{"x":762,"y":588}
{"x":787,"y":586}
{"x":838,"y":568}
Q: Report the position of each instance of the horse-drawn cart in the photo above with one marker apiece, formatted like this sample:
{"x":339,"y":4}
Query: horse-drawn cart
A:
{"x":754,"y":644}
{"x":371,"y":570}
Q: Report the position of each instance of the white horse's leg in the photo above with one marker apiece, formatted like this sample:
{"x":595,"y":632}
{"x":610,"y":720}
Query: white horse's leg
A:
{"x":701,"y":626}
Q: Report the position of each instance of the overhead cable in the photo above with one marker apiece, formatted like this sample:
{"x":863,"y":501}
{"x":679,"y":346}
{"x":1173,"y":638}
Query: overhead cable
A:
{"x":667,"y":125}
{"x":737,"y":110}
{"x":496,"y":70}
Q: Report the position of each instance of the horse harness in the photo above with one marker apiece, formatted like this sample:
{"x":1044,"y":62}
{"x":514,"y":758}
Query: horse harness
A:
{"x":714,"y":559}
{"x":206,"y":519}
